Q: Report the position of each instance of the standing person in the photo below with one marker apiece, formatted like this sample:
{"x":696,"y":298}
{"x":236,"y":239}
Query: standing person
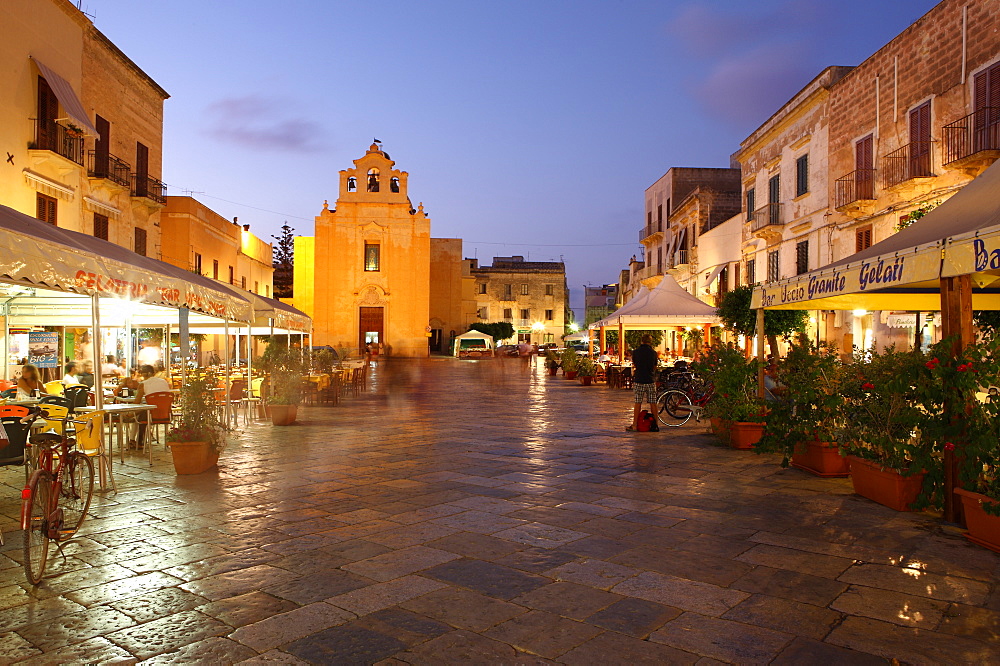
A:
{"x":524,"y":351}
{"x":644,"y":361}
{"x":29,"y":383}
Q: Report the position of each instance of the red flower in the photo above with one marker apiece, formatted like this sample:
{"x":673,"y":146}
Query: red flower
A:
{"x":931,"y":364}
{"x":867,"y":386}
{"x":948,"y":446}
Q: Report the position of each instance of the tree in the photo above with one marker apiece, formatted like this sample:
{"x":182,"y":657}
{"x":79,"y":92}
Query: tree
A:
{"x":736,"y":315}
{"x":284,"y":261}
{"x":500,"y":330}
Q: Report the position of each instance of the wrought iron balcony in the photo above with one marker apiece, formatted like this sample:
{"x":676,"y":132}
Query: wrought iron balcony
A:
{"x":910,"y":161}
{"x":680,"y":258}
{"x":976,"y":133}
{"x":855,"y":187}
{"x":150,"y":188}
{"x":767,"y":216}
{"x":650,"y":230}
{"x":50,"y":135}
{"x":109,"y":167}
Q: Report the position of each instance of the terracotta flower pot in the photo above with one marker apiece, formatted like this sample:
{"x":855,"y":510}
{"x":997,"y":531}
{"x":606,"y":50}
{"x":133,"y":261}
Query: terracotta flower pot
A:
{"x":984,"y":528}
{"x":571,"y":374}
{"x":586,"y":380}
{"x":192,"y":457}
{"x":720,"y":428}
{"x":821,"y":459}
{"x":744,"y":435}
{"x":885,"y":486}
{"x":282,"y":415}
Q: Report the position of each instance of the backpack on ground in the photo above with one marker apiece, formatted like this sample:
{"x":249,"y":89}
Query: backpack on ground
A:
{"x":647,"y":422}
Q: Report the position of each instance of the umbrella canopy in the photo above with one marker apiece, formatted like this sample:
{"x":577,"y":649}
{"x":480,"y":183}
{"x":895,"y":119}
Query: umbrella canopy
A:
{"x":903,"y":271}
{"x":667,"y":304}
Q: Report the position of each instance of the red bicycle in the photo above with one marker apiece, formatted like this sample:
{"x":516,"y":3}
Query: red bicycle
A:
{"x":684,"y":397}
{"x":55,"y":501}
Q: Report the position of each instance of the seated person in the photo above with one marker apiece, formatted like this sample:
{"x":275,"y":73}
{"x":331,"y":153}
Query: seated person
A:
{"x":149,"y":383}
{"x":128,"y":386}
{"x":71,"y":377}
{"x":86,"y":376}
{"x":29,"y":384}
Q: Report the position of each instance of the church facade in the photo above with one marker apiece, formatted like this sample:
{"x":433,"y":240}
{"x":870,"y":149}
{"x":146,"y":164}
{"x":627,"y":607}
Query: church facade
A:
{"x":373,"y":274}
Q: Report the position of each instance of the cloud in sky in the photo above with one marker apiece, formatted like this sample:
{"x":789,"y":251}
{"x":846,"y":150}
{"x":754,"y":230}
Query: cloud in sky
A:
{"x":751,"y":62}
{"x":260,"y":123}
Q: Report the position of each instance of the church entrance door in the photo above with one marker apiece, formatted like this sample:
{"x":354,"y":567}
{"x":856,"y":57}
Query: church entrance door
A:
{"x":372,"y":326}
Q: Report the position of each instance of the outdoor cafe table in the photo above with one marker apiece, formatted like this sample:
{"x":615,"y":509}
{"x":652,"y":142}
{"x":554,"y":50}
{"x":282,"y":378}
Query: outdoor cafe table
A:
{"x":116,"y":415}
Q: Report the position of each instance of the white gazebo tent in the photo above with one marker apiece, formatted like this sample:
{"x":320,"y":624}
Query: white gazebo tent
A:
{"x":54,"y":276}
{"x":666,"y":305}
{"x":473,"y":344}
{"x":948,"y":260}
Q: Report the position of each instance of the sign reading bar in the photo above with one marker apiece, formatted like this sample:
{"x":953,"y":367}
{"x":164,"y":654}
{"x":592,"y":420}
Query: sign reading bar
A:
{"x":965,"y":256}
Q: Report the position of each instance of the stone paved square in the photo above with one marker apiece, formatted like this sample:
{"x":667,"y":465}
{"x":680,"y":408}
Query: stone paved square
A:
{"x":492,"y":516}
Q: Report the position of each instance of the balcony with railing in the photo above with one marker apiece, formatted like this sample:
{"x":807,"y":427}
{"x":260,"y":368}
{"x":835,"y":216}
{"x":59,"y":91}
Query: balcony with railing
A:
{"x":906,"y":163}
{"x":149,"y":188}
{"x":651,"y":233}
{"x":854,"y":189}
{"x":973,"y":139}
{"x":679,"y":259}
{"x":109,"y":167}
{"x":59,"y":139}
{"x":770,"y":215}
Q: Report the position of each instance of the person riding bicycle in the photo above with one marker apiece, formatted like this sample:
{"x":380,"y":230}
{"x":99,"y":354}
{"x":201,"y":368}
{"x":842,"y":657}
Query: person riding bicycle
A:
{"x":644,"y":360}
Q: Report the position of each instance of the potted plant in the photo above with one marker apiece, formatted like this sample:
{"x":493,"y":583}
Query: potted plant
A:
{"x":552,"y":362}
{"x":882,"y":431}
{"x":586,"y":369}
{"x":806,"y":409}
{"x":73,"y":131}
{"x":735,"y":404}
{"x":285,"y":369}
{"x":570,"y":363}
{"x":199,"y":435}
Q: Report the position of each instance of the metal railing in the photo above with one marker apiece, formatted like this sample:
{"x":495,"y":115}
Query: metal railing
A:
{"x":766,"y":216}
{"x":649,"y":230}
{"x":972,"y":134}
{"x":150,"y":188}
{"x":910,"y":161}
{"x":109,"y":167}
{"x":50,"y":135}
{"x":859,"y":185}
{"x":680,"y":258}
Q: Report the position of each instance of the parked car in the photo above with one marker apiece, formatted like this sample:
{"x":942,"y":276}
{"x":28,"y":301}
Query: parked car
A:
{"x":542,"y":348}
{"x":507,"y":350}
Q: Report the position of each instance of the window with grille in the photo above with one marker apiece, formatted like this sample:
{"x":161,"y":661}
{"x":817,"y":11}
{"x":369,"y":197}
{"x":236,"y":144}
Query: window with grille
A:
{"x":372,"y":257}
{"x":863,"y":238}
{"x":100,"y":226}
{"x":548,"y":315}
{"x":45,"y":208}
{"x":751,"y":271}
{"x":773,"y":272}
{"x":524,"y":290}
{"x":802,"y":257}
{"x":525,"y":313}
{"x":802,"y":175}
{"x":140,"y":241}
{"x":507,"y":292}
{"x":508,"y":313}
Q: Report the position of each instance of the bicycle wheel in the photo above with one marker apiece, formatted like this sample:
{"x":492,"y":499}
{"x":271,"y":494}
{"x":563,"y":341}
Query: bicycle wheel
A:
{"x":74,"y":496}
{"x":673,"y":408}
{"x":36,"y":537}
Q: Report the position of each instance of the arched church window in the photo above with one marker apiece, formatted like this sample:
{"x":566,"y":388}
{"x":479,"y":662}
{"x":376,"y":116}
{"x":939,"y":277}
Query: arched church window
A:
{"x":373,"y":180}
{"x":394,"y":185}
{"x":352,"y":184}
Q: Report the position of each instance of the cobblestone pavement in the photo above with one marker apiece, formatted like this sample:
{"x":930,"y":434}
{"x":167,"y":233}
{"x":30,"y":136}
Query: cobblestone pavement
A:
{"x":466,"y":512}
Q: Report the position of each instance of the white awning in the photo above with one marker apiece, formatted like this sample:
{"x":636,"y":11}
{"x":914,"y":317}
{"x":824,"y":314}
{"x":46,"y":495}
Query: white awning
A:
{"x":67,"y":97}
{"x":46,"y":185}
{"x":680,"y":239}
{"x":714,"y":274}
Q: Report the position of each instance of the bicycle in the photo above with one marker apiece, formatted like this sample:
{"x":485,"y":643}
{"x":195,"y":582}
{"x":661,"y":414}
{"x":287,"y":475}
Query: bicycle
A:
{"x":684,"y":397}
{"x":54,"y":503}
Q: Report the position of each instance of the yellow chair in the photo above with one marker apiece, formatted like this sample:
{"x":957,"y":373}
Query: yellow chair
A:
{"x":54,"y":388}
{"x":53,"y":415}
{"x":90,"y":442}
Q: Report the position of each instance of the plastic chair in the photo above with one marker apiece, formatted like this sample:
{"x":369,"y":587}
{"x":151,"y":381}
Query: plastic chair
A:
{"x":54,"y":387}
{"x":9,"y":394}
{"x":161,"y":416}
{"x":77,"y":394}
{"x":237,"y":390}
{"x":54,"y":415}
{"x":253,"y":397}
{"x":60,"y":400}
{"x":14,"y":449}
{"x":90,"y":442}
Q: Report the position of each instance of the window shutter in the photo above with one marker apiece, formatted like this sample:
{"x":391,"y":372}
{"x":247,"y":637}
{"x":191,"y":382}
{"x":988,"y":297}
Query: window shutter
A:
{"x":802,"y":257}
{"x":100,"y":226}
{"x":862,"y":239}
{"x":45,"y":208}
{"x":802,"y":175}
{"x":751,"y":201}
{"x":140,"y":241}
{"x":774,"y":190}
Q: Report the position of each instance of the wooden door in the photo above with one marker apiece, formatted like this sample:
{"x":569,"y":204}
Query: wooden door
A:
{"x":371,"y":322}
{"x":920,"y":141}
{"x":48,"y":111}
{"x":986,"y":121}
{"x":101,"y":148}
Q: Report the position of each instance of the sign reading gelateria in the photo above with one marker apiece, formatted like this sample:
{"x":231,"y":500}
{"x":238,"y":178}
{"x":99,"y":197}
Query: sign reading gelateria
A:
{"x":864,"y":276}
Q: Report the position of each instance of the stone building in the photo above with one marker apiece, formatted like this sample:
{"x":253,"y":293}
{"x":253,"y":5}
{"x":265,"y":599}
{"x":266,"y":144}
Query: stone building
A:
{"x":372,"y":272}
{"x":531,"y":295}
{"x":599,"y":302}
{"x":82,"y":124}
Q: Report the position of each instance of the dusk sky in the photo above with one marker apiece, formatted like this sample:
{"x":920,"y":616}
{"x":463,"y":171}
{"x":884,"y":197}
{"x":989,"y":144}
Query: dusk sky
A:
{"x":526,"y":127}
